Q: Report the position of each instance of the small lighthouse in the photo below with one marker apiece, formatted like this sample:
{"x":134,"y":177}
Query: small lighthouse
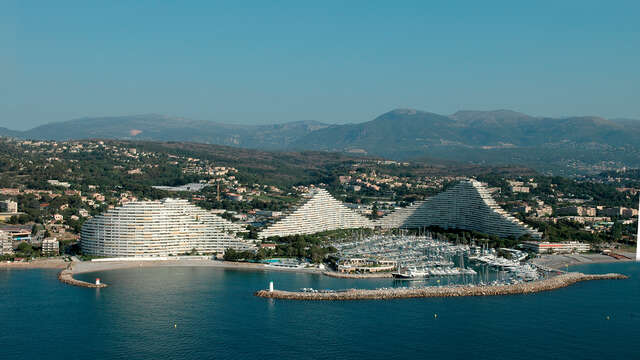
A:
{"x":270,"y":286}
{"x":97,"y":281}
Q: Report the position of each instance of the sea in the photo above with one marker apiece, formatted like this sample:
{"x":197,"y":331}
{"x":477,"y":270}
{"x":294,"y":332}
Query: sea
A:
{"x":211,"y":313}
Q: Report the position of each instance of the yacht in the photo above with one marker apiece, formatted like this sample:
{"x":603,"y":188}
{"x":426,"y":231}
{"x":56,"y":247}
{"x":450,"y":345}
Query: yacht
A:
{"x":410,"y":274}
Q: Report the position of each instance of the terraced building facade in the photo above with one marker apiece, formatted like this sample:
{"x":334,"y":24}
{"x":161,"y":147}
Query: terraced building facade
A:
{"x":158,"y":228}
{"x":468,"y":205}
{"x":318,"y":212}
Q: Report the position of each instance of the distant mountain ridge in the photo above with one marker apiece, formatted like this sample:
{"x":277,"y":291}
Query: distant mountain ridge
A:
{"x":407,"y":130}
{"x":495,"y":137}
{"x":165,"y":128}
{"x":564,"y":146}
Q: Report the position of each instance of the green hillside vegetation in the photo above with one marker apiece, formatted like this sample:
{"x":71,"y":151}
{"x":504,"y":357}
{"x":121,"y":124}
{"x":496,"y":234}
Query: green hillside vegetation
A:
{"x":559,"y":146}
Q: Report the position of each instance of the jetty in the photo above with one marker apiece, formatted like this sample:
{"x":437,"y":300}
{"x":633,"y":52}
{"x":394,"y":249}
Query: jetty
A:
{"x":548,"y":284}
{"x":66,"y":276}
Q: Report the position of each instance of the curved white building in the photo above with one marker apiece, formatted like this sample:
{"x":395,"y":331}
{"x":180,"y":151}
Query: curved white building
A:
{"x":158,"y":228}
{"x":319,"y":212}
{"x":468,"y":205}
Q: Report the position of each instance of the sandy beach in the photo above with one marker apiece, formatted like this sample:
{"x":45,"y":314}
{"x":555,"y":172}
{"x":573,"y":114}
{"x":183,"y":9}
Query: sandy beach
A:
{"x":89,"y":266}
{"x":561,"y":261}
{"x":36,"y":264}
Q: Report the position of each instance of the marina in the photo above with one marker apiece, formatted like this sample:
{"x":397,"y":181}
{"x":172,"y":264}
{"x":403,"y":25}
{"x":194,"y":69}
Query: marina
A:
{"x":421,"y":257}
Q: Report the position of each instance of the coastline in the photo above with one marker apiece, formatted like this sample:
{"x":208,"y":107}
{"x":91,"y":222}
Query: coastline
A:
{"x":89,"y":267}
{"x":562,"y":261}
{"x":36,"y":264}
{"x":69,"y":269}
{"x":553,"y":261}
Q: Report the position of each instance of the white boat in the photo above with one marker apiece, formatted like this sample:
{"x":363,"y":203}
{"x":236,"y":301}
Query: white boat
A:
{"x":410,"y":274}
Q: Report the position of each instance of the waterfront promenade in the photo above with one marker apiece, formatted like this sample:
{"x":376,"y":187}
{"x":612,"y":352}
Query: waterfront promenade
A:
{"x":552,"y":283}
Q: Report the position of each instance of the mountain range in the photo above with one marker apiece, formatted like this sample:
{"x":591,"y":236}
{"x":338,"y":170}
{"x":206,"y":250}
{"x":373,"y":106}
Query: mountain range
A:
{"x":496,"y":137}
{"x":165,"y":128}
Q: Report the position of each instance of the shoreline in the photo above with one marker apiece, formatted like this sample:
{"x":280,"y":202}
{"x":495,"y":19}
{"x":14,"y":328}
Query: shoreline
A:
{"x":36,"y":264}
{"x":69,"y":269}
{"x":549,"y":284}
{"x":556,"y":262}
{"x":89,"y":267}
{"x":560,"y":262}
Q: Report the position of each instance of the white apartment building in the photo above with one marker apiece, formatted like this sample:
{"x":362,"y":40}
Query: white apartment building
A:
{"x":560,"y":247}
{"x":6,"y":243}
{"x":319,"y":212}
{"x":468,"y":205}
{"x":8,"y":206}
{"x":50,"y":246}
{"x":159,"y":228}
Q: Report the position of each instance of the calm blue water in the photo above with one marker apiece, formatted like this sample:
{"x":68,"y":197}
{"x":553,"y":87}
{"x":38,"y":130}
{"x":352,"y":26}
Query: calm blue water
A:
{"x":218,"y":317}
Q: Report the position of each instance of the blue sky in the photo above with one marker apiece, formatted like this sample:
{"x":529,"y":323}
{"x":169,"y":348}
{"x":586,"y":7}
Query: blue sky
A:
{"x":343,"y":61}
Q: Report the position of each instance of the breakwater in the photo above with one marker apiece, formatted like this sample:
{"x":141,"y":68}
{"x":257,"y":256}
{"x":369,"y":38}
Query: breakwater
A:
{"x":553,"y":283}
{"x":66,"y":276}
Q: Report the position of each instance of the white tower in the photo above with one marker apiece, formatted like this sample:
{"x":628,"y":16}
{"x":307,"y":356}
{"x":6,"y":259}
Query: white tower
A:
{"x":638,"y":238}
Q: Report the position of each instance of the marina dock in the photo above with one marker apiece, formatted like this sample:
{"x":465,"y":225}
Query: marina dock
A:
{"x":552,"y":283}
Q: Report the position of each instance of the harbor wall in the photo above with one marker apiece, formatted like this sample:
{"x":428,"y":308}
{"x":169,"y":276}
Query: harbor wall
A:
{"x":66,"y":276}
{"x":553,"y":283}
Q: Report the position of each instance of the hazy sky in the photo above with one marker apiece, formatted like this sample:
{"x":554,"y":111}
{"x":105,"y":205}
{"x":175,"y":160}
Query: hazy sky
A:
{"x":344,"y":61}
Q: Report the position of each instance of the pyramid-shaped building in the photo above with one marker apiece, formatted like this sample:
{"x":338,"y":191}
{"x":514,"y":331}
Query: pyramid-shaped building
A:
{"x":318,"y":212}
{"x":468,"y":206}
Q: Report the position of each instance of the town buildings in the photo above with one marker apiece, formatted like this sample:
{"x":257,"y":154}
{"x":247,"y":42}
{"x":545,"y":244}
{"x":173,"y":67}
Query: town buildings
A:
{"x":620,"y":212}
{"x":365,"y":265}
{"x":558,"y":248}
{"x":576,"y":211}
{"x":8,"y":206}
{"x":6,"y":243}
{"x":50,"y":246}
{"x":17,"y":232}
{"x":191,"y":187}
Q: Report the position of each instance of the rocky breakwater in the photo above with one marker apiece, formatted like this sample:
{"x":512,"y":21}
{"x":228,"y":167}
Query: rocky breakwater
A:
{"x":548,"y":284}
{"x":66,"y":276}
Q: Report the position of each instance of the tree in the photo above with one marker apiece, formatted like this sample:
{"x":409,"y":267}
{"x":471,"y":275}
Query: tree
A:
{"x":616,"y":231}
{"x":374,"y":211}
{"x":25,"y":249}
{"x":230,"y":255}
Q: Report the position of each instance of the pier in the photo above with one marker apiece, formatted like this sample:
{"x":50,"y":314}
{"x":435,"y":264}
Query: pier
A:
{"x":66,"y":276}
{"x":552,"y":283}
